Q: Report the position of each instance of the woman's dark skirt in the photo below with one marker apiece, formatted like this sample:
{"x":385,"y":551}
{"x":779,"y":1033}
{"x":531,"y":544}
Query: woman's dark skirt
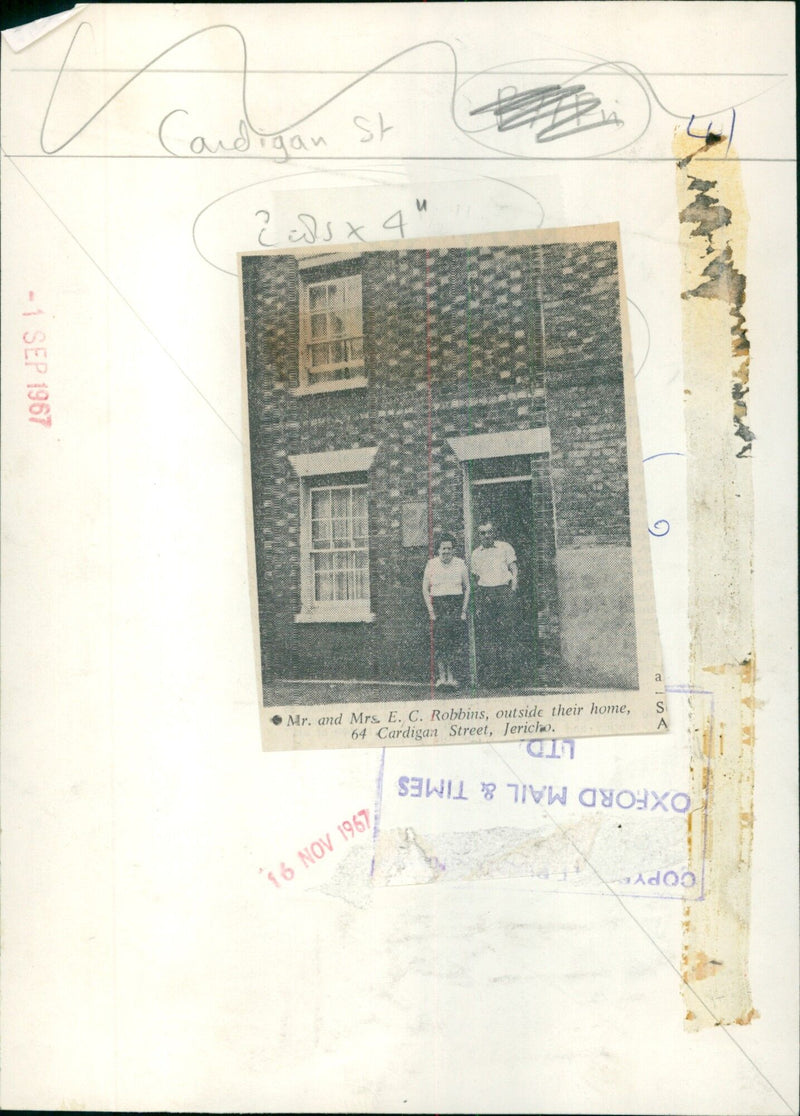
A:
{"x":448,"y":627}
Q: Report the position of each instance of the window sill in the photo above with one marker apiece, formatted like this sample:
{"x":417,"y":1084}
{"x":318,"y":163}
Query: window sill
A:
{"x":331,"y":385}
{"x":356,"y":614}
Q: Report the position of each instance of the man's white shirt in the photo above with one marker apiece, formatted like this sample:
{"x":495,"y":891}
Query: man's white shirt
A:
{"x":491,"y":564}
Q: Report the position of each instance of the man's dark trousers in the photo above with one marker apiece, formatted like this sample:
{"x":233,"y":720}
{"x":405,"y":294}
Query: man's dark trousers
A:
{"x":494,"y":627}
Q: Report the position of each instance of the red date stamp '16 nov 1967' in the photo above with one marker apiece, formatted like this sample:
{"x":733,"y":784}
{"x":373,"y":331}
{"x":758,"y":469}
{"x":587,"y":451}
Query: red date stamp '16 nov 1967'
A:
{"x":36,"y":369}
{"x":318,"y":849}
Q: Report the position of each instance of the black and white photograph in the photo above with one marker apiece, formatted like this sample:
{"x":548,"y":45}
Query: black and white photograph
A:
{"x":440,"y":470}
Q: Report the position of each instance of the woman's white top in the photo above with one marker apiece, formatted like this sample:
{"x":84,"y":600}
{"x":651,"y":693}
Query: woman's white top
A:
{"x":446,"y":579}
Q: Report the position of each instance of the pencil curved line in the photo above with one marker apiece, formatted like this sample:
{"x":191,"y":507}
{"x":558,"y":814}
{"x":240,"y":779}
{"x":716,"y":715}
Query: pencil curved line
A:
{"x":641,"y":313}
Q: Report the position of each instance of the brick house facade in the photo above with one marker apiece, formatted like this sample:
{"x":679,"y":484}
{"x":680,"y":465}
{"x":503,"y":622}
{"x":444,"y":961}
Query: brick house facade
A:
{"x":399,"y":392}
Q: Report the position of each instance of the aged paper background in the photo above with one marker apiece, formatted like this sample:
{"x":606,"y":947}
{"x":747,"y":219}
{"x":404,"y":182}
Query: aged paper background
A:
{"x":189,"y":923}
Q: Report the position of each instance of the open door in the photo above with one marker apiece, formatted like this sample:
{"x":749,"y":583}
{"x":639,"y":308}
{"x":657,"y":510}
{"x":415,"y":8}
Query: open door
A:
{"x":501,"y":490}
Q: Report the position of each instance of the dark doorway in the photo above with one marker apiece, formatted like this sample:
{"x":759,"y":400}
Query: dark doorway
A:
{"x":501,"y":490}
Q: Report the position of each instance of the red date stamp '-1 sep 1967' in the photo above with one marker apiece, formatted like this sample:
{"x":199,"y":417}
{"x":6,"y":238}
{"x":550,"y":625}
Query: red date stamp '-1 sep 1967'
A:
{"x":36,"y":369}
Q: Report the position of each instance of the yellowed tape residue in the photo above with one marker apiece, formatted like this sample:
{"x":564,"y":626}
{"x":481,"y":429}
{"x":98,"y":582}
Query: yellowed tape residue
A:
{"x":713,"y":231}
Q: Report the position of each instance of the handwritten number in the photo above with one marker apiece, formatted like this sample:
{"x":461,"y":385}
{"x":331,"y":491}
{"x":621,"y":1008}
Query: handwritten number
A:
{"x":265,"y":214}
{"x":398,"y":224}
{"x":694,"y":135}
{"x":733,"y":125}
{"x":709,"y":135}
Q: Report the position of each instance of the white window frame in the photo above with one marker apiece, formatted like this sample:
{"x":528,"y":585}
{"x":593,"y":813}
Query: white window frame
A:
{"x":312,"y":381}
{"x":316,"y":471}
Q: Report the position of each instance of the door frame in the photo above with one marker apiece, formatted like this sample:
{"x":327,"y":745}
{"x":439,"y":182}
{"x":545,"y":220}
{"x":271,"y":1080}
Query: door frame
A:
{"x":532,"y":442}
{"x":467,"y":485}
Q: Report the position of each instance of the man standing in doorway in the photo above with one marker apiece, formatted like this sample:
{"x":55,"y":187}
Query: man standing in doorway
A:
{"x":494,"y":567}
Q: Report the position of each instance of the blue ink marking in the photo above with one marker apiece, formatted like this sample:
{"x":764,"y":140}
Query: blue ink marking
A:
{"x":610,"y":797}
{"x":696,"y":135}
{"x":535,"y":748}
{"x":524,"y":792}
{"x":683,"y":689}
{"x":377,"y":811}
{"x":666,"y":453}
{"x":713,"y":137}
{"x":411,"y":786}
{"x":663,"y":524}
{"x":655,"y":879}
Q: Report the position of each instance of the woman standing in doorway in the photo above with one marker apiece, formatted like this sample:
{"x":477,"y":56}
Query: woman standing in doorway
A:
{"x":445,"y":590}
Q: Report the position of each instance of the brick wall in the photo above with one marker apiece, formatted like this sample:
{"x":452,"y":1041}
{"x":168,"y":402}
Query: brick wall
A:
{"x":585,"y":403}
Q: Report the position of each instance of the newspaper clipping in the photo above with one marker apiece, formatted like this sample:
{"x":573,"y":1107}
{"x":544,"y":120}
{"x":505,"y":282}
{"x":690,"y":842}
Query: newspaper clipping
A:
{"x":448,"y":536}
